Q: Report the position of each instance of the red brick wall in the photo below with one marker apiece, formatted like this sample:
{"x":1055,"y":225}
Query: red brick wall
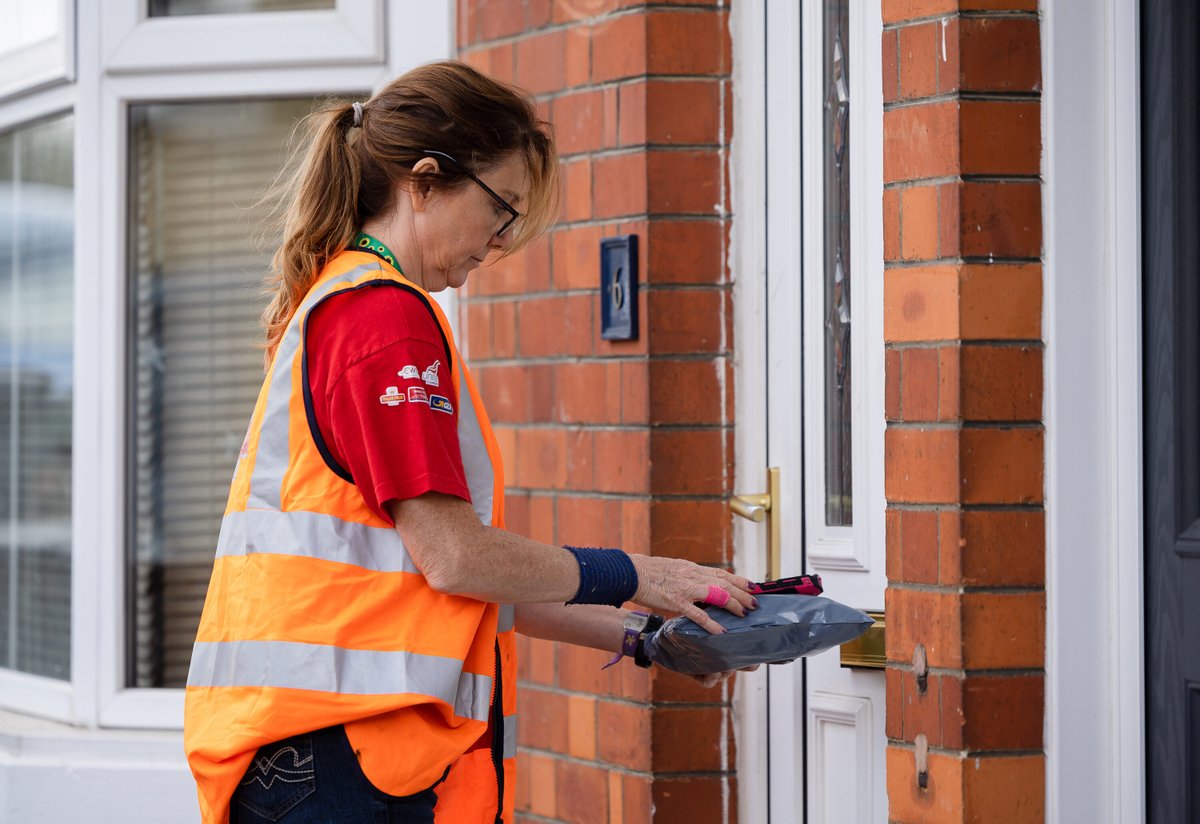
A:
{"x":964,"y":471}
{"x":615,"y":444}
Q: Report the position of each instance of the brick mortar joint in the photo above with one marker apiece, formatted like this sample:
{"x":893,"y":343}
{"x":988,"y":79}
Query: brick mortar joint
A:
{"x":964,"y":424}
{"x":962,"y":674}
{"x":962,"y":14}
{"x":964,"y":96}
{"x":958,"y":180}
{"x":962,"y":589}
{"x":965,"y":343}
{"x":965,"y":754}
{"x":957,"y":263}
{"x":591,"y":22}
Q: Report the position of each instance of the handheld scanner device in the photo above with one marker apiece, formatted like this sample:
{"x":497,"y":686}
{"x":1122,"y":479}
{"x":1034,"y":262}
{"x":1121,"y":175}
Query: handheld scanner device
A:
{"x":796,"y":585}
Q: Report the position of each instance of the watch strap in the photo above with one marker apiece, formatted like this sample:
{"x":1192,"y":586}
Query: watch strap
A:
{"x":638,"y":625}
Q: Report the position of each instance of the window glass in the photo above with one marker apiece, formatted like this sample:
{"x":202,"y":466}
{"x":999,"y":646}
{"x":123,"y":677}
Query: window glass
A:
{"x":838,"y":466}
{"x":26,"y":22}
{"x":165,"y":8}
{"x":36,"y":286}
{"x":197,"y":261}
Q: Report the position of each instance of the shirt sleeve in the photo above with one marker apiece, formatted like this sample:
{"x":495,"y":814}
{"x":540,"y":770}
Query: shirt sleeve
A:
{"x":382,"y":395}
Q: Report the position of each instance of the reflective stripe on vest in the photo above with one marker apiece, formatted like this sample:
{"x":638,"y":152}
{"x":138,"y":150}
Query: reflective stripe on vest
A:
{"x":510,"y":736}
{"x":314,"y":535}
{"x":293,"y":665}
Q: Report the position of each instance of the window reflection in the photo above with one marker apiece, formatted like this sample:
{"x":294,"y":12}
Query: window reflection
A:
{"x":198,"y":171}
{"x":27,"y":22}
{"x":36,"y":392}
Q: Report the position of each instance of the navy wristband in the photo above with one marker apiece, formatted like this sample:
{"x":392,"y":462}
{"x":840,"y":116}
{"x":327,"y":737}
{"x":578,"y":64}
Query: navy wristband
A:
{"x":606,"y":576}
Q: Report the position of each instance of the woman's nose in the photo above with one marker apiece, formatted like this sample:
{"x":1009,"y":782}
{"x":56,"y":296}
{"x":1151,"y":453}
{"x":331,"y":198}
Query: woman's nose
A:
{"x":501,"y":242}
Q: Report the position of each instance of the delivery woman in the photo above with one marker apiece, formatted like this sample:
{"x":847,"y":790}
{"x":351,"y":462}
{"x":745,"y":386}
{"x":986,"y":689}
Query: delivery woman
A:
{"x":355,"y":659}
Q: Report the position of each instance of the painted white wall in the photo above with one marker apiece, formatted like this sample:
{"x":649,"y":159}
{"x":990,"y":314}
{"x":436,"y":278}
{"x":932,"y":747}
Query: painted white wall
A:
{"x":52,"y":773}
{"x":1094,"y":704}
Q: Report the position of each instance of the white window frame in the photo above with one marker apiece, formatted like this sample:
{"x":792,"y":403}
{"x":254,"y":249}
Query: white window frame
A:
{"x":43,"y":63}
{"x":116,"y":705}
{"x":352,"y":33}
{"x":118,"y":67}
{"x":843,"y":547}
{"x":1095,"y":618}
{"x":119,"y":705}
{"x":20,"y":691}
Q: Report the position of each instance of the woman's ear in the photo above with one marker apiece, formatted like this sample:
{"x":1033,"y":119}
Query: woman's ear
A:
{"x":420,"y":190}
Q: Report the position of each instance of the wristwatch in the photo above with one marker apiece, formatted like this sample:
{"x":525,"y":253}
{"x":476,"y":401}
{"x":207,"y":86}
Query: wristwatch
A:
{"x":638,"y":627}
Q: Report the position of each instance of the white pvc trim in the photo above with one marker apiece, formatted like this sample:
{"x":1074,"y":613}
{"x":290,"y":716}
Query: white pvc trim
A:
{"x":747,"y":263}
{"x":44,"y":63}
{"x":1094,"y":727}
{"x":352,"y":32}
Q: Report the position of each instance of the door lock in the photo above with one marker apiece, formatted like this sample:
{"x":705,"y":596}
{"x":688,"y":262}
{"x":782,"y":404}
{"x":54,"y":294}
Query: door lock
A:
{"x":764,"y":506}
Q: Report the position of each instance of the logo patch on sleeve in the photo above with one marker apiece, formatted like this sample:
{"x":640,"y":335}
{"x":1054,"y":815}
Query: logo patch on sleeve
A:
{"x":416,"y":394}
{"x":409,"y":371}
{"x":392,"y":396}
{"x":441,"y":404}
{"x":430,"y":375}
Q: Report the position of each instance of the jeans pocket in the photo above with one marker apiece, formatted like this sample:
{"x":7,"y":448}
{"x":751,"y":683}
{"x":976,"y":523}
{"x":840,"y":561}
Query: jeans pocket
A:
{"x":280,"y":777}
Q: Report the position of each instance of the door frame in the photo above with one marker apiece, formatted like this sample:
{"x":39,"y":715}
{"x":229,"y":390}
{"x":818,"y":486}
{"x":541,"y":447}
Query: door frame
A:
{"x":1093,"y":388}
{"x":766,"y":76}
{"x":748,"y":268}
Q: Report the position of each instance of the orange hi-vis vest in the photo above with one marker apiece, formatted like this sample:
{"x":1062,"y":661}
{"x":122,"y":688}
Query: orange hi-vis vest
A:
{"x":316,"y":615}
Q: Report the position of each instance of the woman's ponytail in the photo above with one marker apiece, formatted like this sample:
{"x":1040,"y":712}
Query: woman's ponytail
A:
{"x":322,"y":189}
{"x":360,"y":153}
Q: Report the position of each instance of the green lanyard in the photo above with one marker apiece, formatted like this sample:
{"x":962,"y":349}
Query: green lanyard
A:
{"x":365,"y":243}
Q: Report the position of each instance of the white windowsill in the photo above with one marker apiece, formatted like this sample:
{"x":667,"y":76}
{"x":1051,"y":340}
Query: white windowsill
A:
{"x":25,"y":736}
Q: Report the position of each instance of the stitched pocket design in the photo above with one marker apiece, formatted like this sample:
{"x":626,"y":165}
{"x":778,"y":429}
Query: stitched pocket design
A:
{"x":280,"y":777}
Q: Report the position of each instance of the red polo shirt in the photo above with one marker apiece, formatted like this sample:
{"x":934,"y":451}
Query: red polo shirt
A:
{"x":382,"y":395}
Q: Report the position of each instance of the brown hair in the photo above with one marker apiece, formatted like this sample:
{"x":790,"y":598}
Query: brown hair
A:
{"x":346,"y":175}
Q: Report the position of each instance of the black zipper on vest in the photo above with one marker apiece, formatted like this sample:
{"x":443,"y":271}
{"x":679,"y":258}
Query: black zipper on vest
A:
{"x":498,"y":739}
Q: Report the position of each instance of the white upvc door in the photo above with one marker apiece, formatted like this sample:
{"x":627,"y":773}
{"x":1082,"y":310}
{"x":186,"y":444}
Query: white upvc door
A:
{"x":812,"y":735}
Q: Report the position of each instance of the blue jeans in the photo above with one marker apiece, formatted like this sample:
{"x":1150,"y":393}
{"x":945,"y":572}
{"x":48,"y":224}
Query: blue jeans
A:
{"x":315,"y":778}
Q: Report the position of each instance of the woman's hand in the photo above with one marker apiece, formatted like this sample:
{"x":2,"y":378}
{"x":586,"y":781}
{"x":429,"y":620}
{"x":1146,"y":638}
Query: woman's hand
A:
{"x":713,"y":678}
{"x":675,"y":585}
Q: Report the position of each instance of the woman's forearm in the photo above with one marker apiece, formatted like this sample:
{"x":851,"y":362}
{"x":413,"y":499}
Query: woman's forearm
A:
{"x":585,"y":625}
{"x":459,"y":555}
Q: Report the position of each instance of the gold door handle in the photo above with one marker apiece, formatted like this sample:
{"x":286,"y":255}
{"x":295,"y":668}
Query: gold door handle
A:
{"x":764,"y":506}
{"x":751,"y":507}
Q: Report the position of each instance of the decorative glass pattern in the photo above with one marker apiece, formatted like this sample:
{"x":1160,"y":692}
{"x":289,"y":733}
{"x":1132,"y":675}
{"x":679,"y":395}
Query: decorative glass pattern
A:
{"x":170,"y":8}
{"x":37,"y":262}
{"x":837,"y":270}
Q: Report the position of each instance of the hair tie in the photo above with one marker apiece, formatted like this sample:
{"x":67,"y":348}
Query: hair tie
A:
{"x":358,"y":113}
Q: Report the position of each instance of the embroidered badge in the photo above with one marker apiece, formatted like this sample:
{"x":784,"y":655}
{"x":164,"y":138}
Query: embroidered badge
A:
{"x":392,"y":396}
{"x":409,"y":371}
{"x":416,"y":394}
{"x":430,"y":375}
{"x":441,"y":404}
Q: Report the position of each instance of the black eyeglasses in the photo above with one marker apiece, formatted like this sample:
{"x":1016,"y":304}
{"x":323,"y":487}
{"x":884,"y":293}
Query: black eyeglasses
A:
{"x":513,"y":213}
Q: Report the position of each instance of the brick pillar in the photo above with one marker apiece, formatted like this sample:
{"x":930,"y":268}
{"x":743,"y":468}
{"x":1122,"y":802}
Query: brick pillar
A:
{"x":615,"y":444}
{"x":964,"y":443}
